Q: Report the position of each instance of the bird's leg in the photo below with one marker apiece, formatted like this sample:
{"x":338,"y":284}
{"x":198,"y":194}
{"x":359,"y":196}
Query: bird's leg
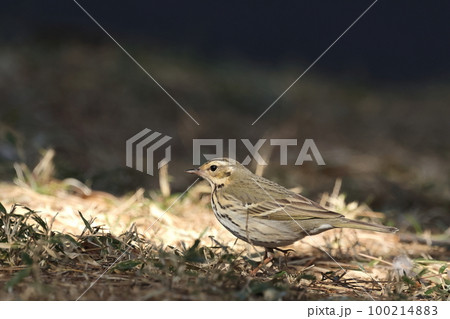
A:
{"x":286,"y":253}
{"x":268,"y":256}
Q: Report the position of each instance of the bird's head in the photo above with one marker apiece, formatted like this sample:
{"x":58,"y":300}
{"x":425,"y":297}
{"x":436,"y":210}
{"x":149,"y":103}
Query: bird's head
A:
{"x":219,"y":171}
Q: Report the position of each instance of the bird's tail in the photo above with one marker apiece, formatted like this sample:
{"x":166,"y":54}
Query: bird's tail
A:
{"x":350,"y":223}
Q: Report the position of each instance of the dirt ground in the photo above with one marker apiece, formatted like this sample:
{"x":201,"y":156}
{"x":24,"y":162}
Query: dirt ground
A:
{"x":175,"y":249}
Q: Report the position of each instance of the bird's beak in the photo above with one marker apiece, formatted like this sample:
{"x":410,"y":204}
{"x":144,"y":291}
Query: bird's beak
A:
{"x":193,"y":171}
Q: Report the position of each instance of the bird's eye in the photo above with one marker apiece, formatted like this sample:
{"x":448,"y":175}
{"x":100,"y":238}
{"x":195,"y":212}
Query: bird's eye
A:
{"x":213,"y":168}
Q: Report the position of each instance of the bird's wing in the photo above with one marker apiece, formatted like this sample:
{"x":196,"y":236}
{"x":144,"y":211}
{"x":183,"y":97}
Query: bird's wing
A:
{"x":292,"y":207}
{"x":271,"y":201}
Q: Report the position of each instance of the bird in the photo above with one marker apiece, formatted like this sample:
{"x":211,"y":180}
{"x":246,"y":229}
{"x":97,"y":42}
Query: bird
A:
{"x":264,"y":213}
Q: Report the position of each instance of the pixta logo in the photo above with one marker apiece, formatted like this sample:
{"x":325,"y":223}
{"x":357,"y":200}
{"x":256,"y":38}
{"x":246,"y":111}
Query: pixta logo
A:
{"x":146,"y":142}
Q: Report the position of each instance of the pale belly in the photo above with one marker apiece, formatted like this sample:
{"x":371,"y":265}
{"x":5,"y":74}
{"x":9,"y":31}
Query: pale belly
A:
{"x":257,"y":231}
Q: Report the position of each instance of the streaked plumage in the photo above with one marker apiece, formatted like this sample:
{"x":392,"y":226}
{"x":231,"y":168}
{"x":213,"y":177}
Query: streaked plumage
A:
{"x":264,"y":213}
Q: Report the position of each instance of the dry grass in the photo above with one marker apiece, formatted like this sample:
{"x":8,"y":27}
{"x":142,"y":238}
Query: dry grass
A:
{"x":63,"y":236}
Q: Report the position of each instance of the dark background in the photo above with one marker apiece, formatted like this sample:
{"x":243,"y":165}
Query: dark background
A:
{"x":377,"y":104}
{"x":395,"y":41}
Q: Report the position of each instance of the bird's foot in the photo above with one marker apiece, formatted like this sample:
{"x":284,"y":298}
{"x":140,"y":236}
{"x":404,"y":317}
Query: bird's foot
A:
{"x":286,"y":253}
{"x":268,"y":257}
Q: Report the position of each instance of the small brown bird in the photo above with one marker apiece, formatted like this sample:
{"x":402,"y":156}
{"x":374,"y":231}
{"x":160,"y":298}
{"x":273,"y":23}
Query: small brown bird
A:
{"x":264,"y":213}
